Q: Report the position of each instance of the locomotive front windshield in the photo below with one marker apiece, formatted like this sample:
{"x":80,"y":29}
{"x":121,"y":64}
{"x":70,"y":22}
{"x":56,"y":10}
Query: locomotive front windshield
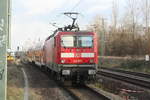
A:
{"x":77,"y":41}
{"x":67,"y":41}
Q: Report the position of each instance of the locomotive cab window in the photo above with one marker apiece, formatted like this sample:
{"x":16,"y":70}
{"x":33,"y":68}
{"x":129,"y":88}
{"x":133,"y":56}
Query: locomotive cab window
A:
{"x":67,"y":41}
{"x":85,"y":41}
{"x":77,"y":41}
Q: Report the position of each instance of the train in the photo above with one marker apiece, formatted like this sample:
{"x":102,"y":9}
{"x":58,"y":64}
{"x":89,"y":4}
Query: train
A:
{"x":69,"y":54}
{"x":10,"y":57}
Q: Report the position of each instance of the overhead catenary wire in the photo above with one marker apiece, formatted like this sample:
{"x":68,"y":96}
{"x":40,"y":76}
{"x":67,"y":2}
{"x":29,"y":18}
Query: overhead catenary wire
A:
{"x":77,"y":4}
{"x":74,"y":7}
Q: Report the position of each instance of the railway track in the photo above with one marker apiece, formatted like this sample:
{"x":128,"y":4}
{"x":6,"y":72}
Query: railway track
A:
{"x":84,"y":93}
{"x":139,"y":79}
{"x":77,"y":92}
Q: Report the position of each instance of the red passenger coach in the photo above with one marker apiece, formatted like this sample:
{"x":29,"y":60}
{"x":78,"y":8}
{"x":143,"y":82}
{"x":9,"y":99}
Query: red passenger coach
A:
{"x":72,"y":55}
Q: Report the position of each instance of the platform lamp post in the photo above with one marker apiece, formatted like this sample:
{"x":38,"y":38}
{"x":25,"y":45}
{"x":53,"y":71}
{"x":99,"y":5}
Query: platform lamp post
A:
{"x":4,"y":44}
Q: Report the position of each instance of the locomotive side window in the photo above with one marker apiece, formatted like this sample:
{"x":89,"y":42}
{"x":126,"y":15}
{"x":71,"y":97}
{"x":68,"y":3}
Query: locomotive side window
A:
{"x":55,"y":41}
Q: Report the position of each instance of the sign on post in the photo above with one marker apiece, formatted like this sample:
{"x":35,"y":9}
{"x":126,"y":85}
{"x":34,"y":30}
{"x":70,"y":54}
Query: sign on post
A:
{"x":147,"y":58}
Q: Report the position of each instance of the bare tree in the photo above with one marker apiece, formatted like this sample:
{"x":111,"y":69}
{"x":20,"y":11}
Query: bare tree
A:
{"x":99,"y":26}
{"x":114,"y":14}
{"x":132,"y":14}
{"x":146,"y":14}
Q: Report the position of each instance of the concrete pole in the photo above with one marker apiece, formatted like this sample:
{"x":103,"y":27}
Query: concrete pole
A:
{"x":3,"y":47}
{"x":102,"y":38}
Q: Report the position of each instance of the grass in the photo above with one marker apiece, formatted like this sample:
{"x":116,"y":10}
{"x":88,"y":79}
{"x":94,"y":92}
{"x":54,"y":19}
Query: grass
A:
{"x":137,"y":66}
{"x":126,"y":64}
{"x":15,"y":82}
{"x":34,"y":96}
{"x":14,"y":93}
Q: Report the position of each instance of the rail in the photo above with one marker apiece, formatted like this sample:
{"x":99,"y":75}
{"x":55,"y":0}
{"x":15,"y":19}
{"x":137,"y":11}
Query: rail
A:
{"x":85,"y":93}
{"x":139,"y":79}
{"x":79,"y":92}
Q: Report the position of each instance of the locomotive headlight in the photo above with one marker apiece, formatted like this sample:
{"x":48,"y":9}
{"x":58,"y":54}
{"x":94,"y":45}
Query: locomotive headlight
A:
{"x":62,"y":61}
{"x":91,"y":60}
{"x":92,"y":72}
{"x":65,"y":72}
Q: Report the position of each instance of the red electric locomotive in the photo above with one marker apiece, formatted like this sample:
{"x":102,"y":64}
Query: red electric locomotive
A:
{"x":71,"y":54}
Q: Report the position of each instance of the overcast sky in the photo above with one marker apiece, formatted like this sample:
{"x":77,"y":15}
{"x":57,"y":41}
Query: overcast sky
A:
{"x":31,"y":18}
